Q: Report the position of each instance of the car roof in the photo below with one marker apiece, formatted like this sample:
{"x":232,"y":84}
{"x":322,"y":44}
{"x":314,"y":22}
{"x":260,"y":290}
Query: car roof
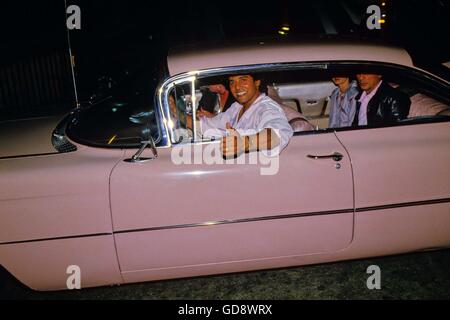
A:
{"x":194,"y":58}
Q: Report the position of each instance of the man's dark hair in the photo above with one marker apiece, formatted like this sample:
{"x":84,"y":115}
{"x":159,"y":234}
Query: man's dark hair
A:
{"x":255,"y":76}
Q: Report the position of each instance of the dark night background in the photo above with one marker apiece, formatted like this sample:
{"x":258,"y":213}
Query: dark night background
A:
{"x":121,"y":37}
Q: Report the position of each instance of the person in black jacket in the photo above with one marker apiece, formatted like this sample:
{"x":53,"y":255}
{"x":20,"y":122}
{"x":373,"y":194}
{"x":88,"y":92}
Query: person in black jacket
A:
{"x":379,"y":103}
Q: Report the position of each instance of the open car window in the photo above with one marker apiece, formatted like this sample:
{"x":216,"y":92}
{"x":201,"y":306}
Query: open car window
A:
{"x":303,"y":91}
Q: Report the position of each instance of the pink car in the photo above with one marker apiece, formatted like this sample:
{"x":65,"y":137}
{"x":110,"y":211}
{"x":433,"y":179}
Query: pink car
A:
{"x":114,"y":196}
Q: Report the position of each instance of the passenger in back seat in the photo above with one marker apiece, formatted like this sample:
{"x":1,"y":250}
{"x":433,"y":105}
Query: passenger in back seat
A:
{"x":209,"y":100}
{"x":343,"y":102}
{"x":379,"y":103}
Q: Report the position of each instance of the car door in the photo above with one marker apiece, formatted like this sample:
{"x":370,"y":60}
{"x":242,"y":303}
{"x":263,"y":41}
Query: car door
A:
{"x":173,"y":219}
{"x":402,"y":190}
{"x":401,"y":171}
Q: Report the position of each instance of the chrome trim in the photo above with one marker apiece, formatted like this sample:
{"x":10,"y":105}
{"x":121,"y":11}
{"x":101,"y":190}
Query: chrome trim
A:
{"x":163,"y":98}
{"x":58,"y":238}
{"x":215,"y":223}
{"x":288,"y":216}
{"x":194,"y":110}
{"x":212,"y":223}
{"x":401,"y":205}
{"x":29,"y":155}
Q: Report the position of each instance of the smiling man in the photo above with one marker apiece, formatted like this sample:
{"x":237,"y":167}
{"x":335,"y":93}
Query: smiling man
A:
{"x":254,"y":122}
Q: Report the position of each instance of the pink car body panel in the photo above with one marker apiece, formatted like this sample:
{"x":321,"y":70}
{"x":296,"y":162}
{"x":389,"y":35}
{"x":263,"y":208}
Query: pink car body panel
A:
{"x":400,"y":164}
{"x":62,"y":195}
{"x":378,"y":230}
{"x":63,"y":198}
{"x":15,"y":136}
{"x":42,"y":265}
{"x":241,"y":188}
{"x":240,"y":192}
{"x":376,"y":234}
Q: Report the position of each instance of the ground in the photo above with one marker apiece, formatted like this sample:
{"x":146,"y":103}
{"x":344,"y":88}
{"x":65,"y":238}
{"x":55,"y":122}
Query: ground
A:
{"x":423,"y":275}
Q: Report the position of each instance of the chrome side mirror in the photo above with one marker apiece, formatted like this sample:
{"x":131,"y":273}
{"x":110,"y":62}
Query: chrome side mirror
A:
{"x":144,"y":144}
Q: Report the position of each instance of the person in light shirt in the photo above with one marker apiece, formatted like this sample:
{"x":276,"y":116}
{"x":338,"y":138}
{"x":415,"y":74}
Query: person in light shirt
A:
{"x":254,"y":122}
{"x":343,"y":102}
{"x":379,"y":103}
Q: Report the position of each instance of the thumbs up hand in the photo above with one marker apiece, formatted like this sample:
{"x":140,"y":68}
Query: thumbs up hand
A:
{"x":232,"y":145}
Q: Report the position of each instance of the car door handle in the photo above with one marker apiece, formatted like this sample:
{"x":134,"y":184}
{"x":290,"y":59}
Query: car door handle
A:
{"x":336,"y":156}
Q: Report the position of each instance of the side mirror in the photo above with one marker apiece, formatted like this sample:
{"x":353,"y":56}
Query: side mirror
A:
{"x":144,"y":144}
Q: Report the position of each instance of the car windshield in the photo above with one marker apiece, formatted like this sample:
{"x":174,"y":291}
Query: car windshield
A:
{"x":121,"y":116}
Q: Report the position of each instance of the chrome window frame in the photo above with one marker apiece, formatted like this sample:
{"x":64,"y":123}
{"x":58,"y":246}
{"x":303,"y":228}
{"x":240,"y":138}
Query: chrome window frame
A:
{"x":163,"y":89}
{"x":192,"y":76}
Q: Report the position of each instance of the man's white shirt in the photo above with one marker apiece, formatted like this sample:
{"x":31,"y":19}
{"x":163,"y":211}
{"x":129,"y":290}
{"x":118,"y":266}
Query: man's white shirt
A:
{"x":264,"y":113}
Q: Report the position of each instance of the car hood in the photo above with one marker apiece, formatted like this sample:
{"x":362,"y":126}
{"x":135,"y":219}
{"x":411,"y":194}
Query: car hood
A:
{"x":27,"y":136}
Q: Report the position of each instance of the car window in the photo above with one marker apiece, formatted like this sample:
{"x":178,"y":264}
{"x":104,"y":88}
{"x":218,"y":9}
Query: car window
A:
{"x":305,"y":93}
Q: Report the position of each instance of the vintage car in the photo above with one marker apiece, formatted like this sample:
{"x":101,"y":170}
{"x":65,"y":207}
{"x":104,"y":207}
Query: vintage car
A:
{"x":106,"y":191}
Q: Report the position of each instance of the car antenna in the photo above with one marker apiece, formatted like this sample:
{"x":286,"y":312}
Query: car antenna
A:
{"x":72,"y":60}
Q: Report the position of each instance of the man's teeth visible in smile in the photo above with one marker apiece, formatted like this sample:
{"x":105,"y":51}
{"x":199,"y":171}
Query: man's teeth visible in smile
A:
{"x":241,"y":93}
